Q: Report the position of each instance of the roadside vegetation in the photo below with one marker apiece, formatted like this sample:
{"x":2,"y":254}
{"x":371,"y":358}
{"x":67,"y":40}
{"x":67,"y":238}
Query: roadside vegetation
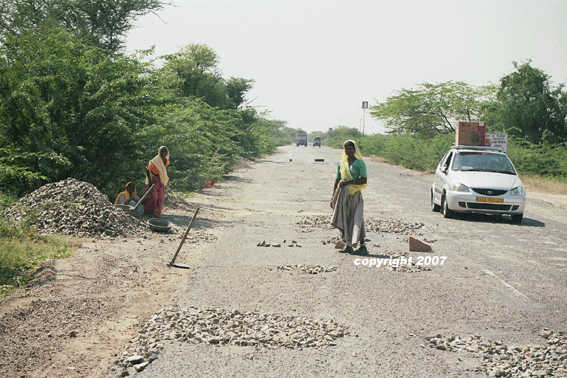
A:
{"x":22,"y":251}
{"x":73,"y":104}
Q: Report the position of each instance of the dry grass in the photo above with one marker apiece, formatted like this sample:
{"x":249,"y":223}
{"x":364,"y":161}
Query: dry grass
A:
{"x":544,"y":185}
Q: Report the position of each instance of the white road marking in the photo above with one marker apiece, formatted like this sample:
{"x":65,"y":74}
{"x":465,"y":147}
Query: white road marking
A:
{"x":515,"y":291}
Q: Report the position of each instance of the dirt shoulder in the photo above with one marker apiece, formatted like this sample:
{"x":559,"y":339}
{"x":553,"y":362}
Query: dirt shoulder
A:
{"x":78,"y":313}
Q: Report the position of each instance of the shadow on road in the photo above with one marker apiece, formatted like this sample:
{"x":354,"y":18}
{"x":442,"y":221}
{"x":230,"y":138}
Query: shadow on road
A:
{"x":233,"y":178}
{"x":495,"y":219}
{"x":200,"y":222}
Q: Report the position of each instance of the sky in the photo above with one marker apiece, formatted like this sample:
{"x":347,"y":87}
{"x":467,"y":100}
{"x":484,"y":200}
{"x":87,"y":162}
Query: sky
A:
{"x":314,"y":62}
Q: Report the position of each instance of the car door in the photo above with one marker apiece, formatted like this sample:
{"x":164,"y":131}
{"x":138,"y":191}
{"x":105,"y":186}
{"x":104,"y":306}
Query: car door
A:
{"x":437,"y":179}
{"x":441,"y":172}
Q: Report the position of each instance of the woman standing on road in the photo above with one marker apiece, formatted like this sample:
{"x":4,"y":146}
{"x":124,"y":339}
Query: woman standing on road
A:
{"x":347,"y":202}
{"x":156,"y":174}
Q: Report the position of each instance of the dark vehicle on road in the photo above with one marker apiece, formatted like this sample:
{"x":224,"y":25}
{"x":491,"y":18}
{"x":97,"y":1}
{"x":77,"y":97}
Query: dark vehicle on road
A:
{"x":317,"y":142}
{"x":301,"y":138}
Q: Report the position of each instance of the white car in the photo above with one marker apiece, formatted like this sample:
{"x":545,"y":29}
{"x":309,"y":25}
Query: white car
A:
{"x":471,"y":179}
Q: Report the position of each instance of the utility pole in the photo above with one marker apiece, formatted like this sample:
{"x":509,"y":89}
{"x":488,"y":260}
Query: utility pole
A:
{"x":364,"y":107}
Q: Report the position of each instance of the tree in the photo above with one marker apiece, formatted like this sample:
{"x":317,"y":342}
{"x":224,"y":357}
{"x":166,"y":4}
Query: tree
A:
{"x":196,"y":66}
{"x":236,"y":89}
{"x":529,"y":108}
{"x":199,"y":75}
{"x":104,"y":23}
{"x":62,"y":97}
{"x":431,"y":109}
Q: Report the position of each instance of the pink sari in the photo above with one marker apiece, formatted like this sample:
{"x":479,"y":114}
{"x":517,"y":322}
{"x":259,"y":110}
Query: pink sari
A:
{"x":154,"y":200}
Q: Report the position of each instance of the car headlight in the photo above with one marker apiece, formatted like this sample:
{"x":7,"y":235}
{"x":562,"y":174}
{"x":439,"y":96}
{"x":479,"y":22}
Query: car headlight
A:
{"x":461,"y":188}
{"x":518,"y":191}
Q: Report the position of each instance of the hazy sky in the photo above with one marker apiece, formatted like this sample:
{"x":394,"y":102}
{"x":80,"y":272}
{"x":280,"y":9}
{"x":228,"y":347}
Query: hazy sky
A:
{"x":315,"y":61}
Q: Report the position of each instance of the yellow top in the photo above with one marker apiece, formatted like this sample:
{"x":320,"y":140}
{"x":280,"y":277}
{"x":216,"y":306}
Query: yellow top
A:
{"x":126,"y":195}
{"x":345,"y":169}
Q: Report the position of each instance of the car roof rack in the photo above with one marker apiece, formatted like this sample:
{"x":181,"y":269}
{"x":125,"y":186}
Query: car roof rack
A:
{"x":478,"y":148}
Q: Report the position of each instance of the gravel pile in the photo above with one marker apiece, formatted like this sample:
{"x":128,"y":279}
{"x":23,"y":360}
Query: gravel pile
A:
{"x":224,"y":327}
{"x":392,"y":226}
{"x":74,"y":208}
{"x":500,"y":360}
{"x":307,"y":269}
{"x":307,"y":224}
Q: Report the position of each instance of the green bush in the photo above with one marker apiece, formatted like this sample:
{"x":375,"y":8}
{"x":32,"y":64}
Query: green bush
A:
{"x":421,"y":154}
{"x":411,"y":152}
{"x":539,"y":159}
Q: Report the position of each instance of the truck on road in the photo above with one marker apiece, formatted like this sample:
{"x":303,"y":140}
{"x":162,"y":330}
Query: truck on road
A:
{"x":301,"y":138}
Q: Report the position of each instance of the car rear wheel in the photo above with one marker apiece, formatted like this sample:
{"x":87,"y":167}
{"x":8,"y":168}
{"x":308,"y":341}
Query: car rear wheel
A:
{"x":447,"y":213}
{"x":517,"y":218}
{"x":434,"y":207}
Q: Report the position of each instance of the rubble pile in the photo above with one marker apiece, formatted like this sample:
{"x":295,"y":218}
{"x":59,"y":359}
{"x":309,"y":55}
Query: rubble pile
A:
{"x":500,"y":360}
{"x":74,"y":208}
{"x":226,"y":327}
{"x":391,"y":226}
{"x":308,"y":223}
{"x":307,"y":269}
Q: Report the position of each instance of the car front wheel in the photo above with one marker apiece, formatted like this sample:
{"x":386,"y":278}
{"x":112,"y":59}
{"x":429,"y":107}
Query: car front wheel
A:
{"x":447,"y":213}
{"x":434,"y":207}
{"x":517,"y":218}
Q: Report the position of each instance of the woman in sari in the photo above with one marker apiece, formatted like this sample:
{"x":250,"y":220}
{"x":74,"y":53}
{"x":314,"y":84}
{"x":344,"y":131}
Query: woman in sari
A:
{"x":156,"y":174}
{"x":347,"y":202}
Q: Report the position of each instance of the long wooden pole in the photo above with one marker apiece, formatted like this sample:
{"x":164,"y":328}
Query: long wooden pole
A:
{"x":184,"y":237}
{"x":144,"y":196}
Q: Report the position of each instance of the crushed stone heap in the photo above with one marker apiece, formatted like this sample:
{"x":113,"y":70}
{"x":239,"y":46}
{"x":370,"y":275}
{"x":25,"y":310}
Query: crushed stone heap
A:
{"x":74,"y":208}
{"x":217,"y":326}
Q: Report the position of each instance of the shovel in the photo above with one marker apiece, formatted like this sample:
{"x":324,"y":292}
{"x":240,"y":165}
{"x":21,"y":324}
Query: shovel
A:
{"x":141,"y":199}
{"x":172,"y":262}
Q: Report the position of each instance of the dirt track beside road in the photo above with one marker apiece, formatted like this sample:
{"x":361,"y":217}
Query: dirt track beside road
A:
{"x":79,"y":316}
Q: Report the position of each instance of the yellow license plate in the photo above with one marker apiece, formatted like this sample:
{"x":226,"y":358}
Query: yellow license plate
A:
{"x":489,"y":199}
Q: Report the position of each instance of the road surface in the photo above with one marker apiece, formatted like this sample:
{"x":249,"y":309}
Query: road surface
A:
{"x":498,"y":281}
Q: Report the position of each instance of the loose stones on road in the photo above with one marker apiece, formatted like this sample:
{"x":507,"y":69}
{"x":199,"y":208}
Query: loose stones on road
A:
{"x":307,"y":269}
{"x":500,"y":360}
{"x":226,"y":327}
{"x":308,"y":223}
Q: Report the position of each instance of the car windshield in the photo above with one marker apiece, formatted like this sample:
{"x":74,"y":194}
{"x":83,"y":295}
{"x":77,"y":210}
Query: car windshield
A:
{"x":483,"y":162}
